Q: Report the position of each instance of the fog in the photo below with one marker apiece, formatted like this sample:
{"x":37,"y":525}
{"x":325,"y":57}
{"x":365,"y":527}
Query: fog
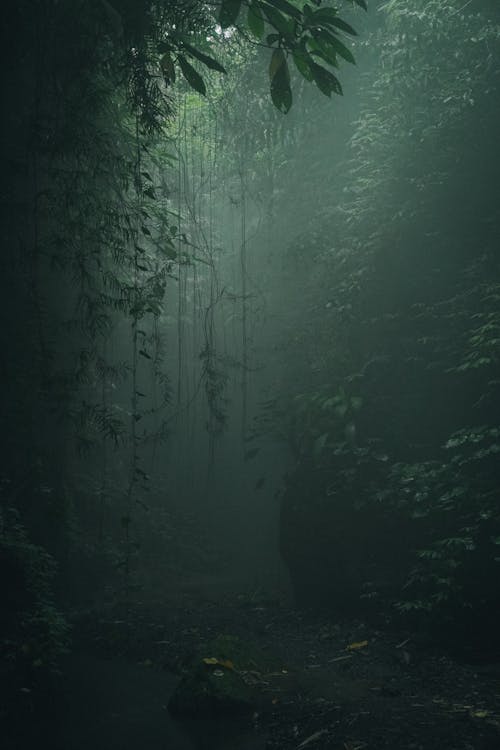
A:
{"x":250,"y":350}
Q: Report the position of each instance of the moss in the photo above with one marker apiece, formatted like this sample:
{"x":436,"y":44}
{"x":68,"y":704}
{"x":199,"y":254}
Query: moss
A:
{"x":231,"y":683}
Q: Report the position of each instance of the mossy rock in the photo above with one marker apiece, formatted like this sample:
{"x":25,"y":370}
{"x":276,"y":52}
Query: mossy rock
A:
{"x":225,"y":676}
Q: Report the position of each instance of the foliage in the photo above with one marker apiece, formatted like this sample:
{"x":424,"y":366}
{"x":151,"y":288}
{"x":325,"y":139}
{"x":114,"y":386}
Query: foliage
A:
{"x":305,"y":34}
{"x":396,"y":333}
{"x":164,"y":38}
{"x":404,"y":296}
{"x":34,"y":634}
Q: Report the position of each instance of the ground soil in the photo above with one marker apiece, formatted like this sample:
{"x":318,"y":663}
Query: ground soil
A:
{"x":343,"y":685}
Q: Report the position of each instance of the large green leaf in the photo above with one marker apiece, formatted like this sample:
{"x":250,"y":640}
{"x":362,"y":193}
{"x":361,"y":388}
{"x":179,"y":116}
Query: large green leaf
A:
{"x":330,"y":46}
{"x":284,"y":25}
{"x":308,"y":13}
{"x":321,"y":46}
{"x":325,"y":81}
{"x":281,"y":93}
{"x":343,"y":26}
{"x":301,"y":59}
{"x":285,"y":7}
{"x":192,"y":76}
{"x":324,"y":15}
{"x":255,"y":20}
{"x":277,"y":60}
{"x":341,"y":49}
{"x":229,"y":12}
{"x":205,"y":59}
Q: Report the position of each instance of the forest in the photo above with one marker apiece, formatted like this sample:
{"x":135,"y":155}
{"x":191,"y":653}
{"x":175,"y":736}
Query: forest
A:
{"x":250,"y":367}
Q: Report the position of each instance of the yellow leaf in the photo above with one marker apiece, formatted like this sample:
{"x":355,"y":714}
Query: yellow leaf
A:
{"x":480,"y":714}
{"x":210,"y":660}
{"x":355,"y":646}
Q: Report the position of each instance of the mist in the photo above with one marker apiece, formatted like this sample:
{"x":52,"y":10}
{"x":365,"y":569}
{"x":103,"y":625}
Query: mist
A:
{"x":250,"y":395}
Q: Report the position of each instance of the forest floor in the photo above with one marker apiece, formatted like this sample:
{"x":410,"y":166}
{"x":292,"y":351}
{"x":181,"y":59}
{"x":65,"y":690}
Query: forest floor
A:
{"x":343,"y":685}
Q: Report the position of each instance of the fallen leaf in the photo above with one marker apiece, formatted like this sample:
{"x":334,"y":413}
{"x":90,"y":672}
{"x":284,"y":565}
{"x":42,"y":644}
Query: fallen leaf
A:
{"x":212,"y":661}
{"x":356,"y":646}
{"x":312,"y":738}
{"x":403,"y":643}
{"x":340,"y":658}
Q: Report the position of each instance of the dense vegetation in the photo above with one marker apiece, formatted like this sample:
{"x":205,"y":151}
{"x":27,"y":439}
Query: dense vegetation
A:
{"x":197,"y":274}
{"x":402,"y":424}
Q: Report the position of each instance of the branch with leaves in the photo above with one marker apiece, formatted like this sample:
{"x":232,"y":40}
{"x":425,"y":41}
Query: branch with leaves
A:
{"x":312,"y":36}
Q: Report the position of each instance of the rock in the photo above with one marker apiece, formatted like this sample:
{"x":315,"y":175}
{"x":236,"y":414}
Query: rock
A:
{"x":226,"y":676}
